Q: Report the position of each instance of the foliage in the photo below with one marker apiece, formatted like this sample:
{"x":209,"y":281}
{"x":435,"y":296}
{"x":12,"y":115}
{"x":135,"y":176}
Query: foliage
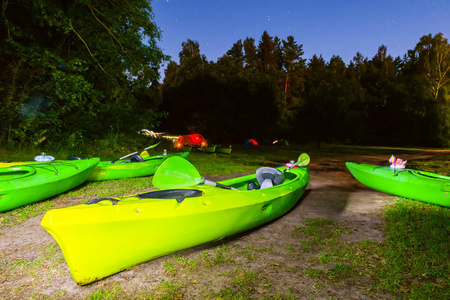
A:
{"x":268,"y":91}
{"x":77,"y":68}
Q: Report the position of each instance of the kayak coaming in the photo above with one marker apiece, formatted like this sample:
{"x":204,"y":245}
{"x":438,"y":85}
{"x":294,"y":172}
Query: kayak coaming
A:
{"x":16,"y":172}
{"x":22,"y":185}
{"x":408,"y":183}
{"x":137,"y":230}
{"x":106,"y":170}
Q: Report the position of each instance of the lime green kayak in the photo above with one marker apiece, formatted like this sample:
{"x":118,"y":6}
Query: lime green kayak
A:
{"x":210,"y":149}
{"x":413,"y":184}
{"x":224,"y":150}
{"x":32,"y":182}
{"x":108,"y":235}
{"x":108,"y":170}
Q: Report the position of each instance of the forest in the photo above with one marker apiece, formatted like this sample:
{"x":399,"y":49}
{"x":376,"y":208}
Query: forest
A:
{"x":78,"y":71}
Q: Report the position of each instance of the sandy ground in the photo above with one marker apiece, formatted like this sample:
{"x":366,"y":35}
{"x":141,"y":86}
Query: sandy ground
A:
{"x":32,"y":265}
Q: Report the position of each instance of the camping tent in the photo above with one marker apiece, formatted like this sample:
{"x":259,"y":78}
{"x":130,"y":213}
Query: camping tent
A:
{"x":251,"y":142}
{"x":193,"y":140}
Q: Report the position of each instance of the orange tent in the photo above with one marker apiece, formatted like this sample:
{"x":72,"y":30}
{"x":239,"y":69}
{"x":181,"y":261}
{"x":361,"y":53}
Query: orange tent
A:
{"x":193,"y":140}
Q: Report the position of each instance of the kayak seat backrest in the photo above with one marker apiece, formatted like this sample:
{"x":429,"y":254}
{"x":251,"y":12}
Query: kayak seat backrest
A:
{"x":136,"y":158}
{"x":268,"y":177}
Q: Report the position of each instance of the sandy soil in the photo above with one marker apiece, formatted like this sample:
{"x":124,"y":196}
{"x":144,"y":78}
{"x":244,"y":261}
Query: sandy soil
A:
{"x":32,"y":265}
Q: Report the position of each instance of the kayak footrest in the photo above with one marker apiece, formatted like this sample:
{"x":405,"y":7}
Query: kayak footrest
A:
{"x":178,"y":194}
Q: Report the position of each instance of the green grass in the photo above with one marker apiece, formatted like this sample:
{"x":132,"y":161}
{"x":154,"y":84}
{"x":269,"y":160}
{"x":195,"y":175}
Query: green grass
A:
{"x":106,"y":294}
{"x":417,"y":250}
{"x":412,"y":262}
{"x":18,"y":215}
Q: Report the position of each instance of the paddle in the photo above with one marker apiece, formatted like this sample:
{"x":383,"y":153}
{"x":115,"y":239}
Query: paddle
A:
{"x":176,"y":172}
{"x":303,"y":160}
{"x":128,"y":155}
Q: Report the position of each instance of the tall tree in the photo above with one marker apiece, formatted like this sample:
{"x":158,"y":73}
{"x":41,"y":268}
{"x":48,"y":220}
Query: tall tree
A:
{"x":236,"y":53}
{"x":268,"y":52}
{"x":293,"y":81}
{"x":426,"y":74}
{"x":250,"y":53}
{"x":85,"y":60}
{"x":434,"y":57}
{"x":190,"y":49}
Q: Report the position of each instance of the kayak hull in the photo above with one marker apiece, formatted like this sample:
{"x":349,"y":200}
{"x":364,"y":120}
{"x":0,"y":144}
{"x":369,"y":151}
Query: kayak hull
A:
{"x":101,"y":239}
{"x":223,"y":150}
{"x":106,"y":170}
{"x":413,"y":184}
{"x":29,"y":183}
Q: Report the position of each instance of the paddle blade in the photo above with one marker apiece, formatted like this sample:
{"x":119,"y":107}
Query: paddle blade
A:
{"x":176,"y":172}
{"x":303,"y":160}
{"x":144,"y":154}
{"x":152,"y":146}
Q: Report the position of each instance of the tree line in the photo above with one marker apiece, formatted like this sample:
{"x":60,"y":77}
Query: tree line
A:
{"x":76,"y":71}
{"x":267,"y":90}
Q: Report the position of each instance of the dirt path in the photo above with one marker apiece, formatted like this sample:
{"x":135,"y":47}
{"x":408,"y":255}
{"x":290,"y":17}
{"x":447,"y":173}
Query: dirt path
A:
{"x":32,"y":265}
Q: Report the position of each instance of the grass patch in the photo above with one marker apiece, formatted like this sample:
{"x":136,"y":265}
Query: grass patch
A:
{"x":18,"y":215}
{"x":413,"y":262}
{"x":241,"y":286}
{"x":168,"y":291}
{"x":111,"y":293}
{"x":417,"y":251}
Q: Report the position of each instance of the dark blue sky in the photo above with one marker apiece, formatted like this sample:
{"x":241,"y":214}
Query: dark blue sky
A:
{"x":327,"y":28}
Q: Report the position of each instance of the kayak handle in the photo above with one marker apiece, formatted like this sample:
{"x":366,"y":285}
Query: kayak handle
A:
{"x":97,"y":200}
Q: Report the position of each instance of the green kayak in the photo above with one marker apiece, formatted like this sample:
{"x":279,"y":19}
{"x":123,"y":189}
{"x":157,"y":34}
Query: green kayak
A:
{"x":126,"y":168}
{"x":224,"y":150}
{"x":413,"y":184}
{"x":210,"y":149}
{"x":108,"y":235}
{"x":32,"y":182}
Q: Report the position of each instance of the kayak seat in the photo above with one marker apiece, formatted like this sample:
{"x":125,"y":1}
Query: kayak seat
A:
{"x":268,"y":177}
{"x":178,"y":194}
{"x":136,"y":158}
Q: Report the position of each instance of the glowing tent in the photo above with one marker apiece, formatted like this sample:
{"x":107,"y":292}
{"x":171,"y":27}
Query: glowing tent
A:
{"x":251,"y":142}
{"x":193,"y":140}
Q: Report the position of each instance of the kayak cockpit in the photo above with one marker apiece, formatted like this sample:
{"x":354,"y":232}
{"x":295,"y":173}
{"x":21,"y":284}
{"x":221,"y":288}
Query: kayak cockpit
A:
{"x":177,"y":194}
{"x":429,"y":175}
{"x":255,"y":181}
{"x":16,"y":172}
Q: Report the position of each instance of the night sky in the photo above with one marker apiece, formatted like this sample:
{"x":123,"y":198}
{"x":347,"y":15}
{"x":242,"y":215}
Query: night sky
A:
{"x":326,"y":28}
